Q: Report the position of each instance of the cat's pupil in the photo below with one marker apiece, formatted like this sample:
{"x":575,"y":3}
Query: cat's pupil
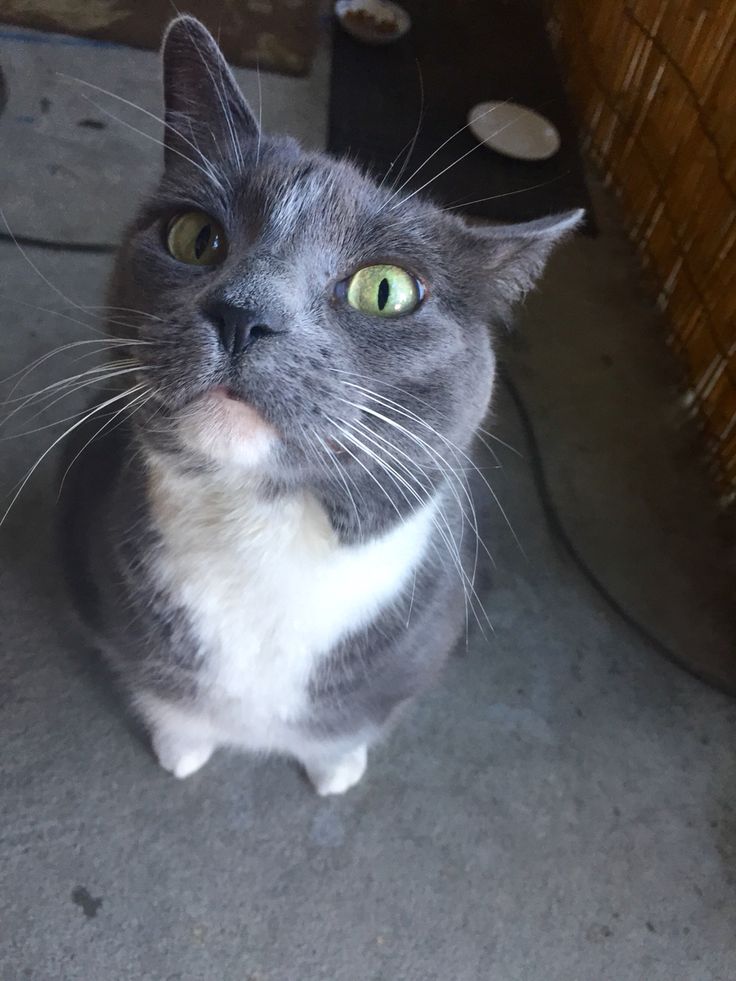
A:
{"x":202,"y":240}
{"x":383,"y":290}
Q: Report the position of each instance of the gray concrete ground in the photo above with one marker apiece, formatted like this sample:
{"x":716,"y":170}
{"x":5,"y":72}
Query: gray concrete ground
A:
{"x":561,"y":809}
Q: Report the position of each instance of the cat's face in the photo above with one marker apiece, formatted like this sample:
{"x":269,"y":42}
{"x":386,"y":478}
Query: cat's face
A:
{"x":303,"y":324}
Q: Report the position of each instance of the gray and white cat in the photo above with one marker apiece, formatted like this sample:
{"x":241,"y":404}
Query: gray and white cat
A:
{"x":268,"y":546}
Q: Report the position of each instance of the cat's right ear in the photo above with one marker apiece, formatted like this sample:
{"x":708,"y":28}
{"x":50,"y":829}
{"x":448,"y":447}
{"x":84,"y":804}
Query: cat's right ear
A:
{"x":513,"y":256}
{"x":207,"y":115}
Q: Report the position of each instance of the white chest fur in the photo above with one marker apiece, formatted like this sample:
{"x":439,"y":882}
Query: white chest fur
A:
{"x":269,"y":590}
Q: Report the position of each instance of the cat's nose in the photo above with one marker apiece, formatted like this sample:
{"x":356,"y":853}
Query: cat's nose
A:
{"x":237,"y":326}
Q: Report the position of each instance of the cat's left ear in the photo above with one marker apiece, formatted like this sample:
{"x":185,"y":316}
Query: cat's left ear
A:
{"x":206,"y":113}
{"x":515,"y":255}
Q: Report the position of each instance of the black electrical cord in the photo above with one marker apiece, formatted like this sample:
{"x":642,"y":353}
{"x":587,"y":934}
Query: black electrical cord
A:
{"x":560,"y":534}
{"x":539,"y":475}
{"x":29,"y":241}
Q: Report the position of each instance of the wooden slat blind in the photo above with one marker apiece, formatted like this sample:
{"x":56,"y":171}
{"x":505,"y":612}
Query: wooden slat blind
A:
{"x":655,"y":85}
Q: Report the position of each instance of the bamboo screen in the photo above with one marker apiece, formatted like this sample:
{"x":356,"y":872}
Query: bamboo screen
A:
{"x":655,"y":85}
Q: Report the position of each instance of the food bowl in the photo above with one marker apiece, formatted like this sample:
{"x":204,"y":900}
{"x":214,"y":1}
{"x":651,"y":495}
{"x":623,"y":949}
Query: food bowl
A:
{"x":514,"y":130}
{"x":373,"y":21}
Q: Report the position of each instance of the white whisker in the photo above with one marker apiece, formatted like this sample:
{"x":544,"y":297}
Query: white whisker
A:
{"x":55,"y":443}
{"x":137,"y":402}
{"x":342,"y":474}
{"x":412,"y":141}
{"x":207,"y":169}
{"x":444,"y":467}
{"x":214,"y":179}
{"x":434,"y":153}
{"x":411,"y":601}
{"x":446,"y":536}
{"x":371,"y":475}
{"x":75,"y":320}
{"x":66,"y":391}
{"x":454,"y":163}
{"x":505,"y":194}
{"x":38,"y":272}
{"x":54,"y":386}
{"x":107,"y":306}
{"x":260,"y":109}
{"x":91,"y":382}
{"x":471,"y":519}
{"x":449,"y":443}
{"x":421,"y":401}
{"x":25,"y":371}
{"x":226,"y":110}
{"x":47,"y":425}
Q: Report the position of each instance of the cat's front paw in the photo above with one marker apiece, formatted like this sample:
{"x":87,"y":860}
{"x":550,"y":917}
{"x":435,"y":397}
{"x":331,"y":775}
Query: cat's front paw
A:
{"x":180,"y":760}
{"x":180,"y":738}
{"x":332,"y":775}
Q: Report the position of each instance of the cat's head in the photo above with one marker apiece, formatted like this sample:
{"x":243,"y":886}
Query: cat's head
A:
{"x":301,"y":323}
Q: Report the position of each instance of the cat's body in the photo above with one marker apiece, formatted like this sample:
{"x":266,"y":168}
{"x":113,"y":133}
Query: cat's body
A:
{"x":239,"y":619}
{"x":269,"y":546}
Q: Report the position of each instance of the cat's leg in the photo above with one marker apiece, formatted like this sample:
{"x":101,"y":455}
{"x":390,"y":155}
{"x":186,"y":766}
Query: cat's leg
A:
{"x":331,"y":770}
{"x":182,"y":739}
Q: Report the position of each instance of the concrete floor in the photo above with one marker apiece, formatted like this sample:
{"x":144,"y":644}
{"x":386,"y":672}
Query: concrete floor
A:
{"x":563,"y":808}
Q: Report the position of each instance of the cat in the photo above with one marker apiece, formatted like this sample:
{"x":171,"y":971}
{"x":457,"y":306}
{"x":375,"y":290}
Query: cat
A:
{"x":265,"y":536}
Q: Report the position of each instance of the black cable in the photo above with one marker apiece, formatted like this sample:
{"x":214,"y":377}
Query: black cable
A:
{"x":94,"y":248}
{"x":559,"y":532}
{"x":551,"y":515}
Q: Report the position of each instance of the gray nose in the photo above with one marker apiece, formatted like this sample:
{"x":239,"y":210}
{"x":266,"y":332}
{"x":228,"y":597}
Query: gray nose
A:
{"x":236,"y":326}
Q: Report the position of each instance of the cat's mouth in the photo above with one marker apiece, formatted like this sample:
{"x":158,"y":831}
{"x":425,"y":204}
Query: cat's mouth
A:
{"x":226,"y":404}
{"x":225,"y":427}
{"x":227,"y":393}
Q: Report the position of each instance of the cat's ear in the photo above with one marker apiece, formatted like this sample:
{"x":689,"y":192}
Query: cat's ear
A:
{"x":515,"y":255}
{"x":206,"y":113}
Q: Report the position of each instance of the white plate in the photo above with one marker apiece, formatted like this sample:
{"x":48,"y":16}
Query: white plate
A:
{"x":514,"y":130}
{"x":364,"y":31}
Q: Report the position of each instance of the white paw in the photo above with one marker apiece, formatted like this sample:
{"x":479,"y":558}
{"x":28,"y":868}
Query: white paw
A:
{"x":181,"y":762}
{"x":339,"y":776}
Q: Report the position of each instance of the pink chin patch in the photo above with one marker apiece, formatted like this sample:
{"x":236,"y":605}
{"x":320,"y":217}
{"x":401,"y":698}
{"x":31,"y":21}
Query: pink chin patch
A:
{"x":227,"y":429}
{"x":234,"y":410}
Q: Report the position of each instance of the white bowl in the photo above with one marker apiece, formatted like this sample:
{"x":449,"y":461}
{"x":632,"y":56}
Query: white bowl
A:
{"x":514,"y":130}
{"x":362,"y":30}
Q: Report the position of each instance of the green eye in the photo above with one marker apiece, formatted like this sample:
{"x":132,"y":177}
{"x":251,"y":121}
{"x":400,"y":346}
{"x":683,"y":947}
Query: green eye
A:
{"x":383,"y":291}
{"x":195,"y":238}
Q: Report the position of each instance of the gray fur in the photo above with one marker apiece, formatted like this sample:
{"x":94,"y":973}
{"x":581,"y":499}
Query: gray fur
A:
{"x":297,"y":223}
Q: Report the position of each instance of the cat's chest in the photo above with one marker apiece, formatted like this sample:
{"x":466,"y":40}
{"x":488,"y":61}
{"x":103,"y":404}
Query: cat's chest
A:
{"x":267,"y":587}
